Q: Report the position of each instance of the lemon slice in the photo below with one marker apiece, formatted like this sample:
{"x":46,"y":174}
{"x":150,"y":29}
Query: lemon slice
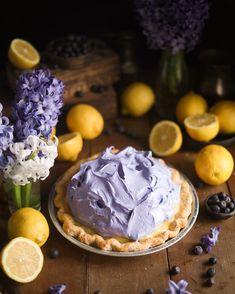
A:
{"x":165,"y":138}
{"x":202,"y":127}
{"x":22,"y":54}
{"x":22,"y":260}
{"x":70,"y":145}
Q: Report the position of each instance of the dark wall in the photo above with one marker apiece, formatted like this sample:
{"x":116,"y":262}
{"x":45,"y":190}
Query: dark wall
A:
{"x":39,"y":21}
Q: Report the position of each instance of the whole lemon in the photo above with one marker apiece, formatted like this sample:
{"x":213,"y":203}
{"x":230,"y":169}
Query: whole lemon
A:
{"x":70,"y":145}
{"x":190,"y":104}
{"x":29,"y":223}
{"x":225,"y":110}
{"x":214,"y":164}
{"x":86,"y":120}
{"x":137,"y":99}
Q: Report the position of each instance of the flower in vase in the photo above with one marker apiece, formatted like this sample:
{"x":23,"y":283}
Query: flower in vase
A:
{"x":172,"y":25}
{"x":26,"y":150}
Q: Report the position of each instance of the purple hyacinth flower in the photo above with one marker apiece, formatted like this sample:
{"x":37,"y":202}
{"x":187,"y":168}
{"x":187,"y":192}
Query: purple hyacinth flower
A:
{"x":208,"y":241}
{"x":56,"y":289}
{"x":179,"y":288}
{"x":170,"y":24}
{"x":6,"y":137}
{"x":38,"y":101}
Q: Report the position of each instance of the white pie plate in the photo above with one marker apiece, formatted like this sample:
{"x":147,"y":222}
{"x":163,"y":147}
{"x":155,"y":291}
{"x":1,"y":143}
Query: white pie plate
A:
{"x":191,"y":220}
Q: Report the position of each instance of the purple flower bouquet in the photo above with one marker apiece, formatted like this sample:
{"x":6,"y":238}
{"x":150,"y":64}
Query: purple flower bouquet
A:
{"x":175,"y":27}
{"x":27,"y":151}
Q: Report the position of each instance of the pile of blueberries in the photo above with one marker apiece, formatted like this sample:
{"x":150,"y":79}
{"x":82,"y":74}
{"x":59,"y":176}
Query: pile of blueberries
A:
{"x":74,"y":46}
{"x":221,"y":203}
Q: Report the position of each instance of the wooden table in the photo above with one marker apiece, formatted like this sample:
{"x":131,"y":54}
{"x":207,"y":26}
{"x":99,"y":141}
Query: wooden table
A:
{"x":85,"y":272}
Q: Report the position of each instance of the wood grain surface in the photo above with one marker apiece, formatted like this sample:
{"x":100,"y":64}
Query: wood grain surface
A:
{"x":85,"y":272}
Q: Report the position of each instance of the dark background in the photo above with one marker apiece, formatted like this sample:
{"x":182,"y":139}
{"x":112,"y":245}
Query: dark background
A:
{"x":40,"y":21}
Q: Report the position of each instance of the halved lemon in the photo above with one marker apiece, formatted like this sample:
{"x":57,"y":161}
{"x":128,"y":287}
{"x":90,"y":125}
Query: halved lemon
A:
{"x":165,"y":138}
{"x":22,"y":54}
{"x":202,"y":127}
{"x":22,"y":260}
{"x":70,"y":145}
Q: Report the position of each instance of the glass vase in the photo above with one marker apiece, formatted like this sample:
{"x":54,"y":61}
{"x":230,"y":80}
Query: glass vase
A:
{"x":19,"y":196}
{"x":172,"y":82}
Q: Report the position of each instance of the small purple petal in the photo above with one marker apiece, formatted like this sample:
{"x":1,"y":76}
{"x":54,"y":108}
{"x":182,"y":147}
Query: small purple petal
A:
{"x":179,"y":288}
{"x":56,"y":289}
{"x":208,"y":241}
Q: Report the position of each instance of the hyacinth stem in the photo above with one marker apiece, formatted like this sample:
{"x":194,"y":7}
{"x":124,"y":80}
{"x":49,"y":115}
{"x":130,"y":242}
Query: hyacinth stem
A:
{"x":17,"y":195}
{"x":25,"y":194}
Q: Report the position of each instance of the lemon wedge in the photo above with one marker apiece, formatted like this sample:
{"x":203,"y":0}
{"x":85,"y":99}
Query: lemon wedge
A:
{"x":70,"y":145}
{"x":22,"y":260}
{"x":165,"y":138}
{"x":202,"y":127}
{"x":22,"y":54}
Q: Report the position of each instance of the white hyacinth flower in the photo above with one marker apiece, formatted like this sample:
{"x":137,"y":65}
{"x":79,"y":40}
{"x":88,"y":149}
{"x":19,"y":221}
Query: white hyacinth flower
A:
{"x":31,"y":160}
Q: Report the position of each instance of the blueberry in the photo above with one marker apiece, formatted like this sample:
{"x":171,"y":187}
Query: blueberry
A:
{"x":198,"y":250}
{"x":212,"y":260}
{"x":150,"y":291}
{"x":215,"y":199}
{"x":210,"y":201}
{"x":175,"y":270}
{"x":231,"y":205}
{"x":226,"y":210}
{"x":222,"y":196}
{"x":227,"y":199}
{"x":98,"y":292}
{"x":199,"y":184}
{"x":210,"y":272}
{"x":54,"y":253}
{"x":215,"y":208}
{"x":222,"y":204}
{"x":79,"y":94}
{"x":108,"y":132}
{"x":210,"y":282}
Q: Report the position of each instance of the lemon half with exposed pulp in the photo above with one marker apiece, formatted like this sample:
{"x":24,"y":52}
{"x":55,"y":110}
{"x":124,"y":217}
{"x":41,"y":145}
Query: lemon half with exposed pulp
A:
{"x":23,"y":54}
{"x":165,"y":138}
{"x":22,"y":260}
{"x":202,"y":127}
{"x":70,"y":145}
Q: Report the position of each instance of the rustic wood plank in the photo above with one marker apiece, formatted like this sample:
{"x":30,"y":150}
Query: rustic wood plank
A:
{"x":71,"y":266}
{"x":193,"y":267}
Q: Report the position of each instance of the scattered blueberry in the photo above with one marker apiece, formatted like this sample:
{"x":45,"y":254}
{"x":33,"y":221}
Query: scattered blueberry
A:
{"x":108,"y":132}
{"x":175,"y":270}
{"x":54,"y":253}
{"x":212,"y":260}
{"x":198,"y":250}
{"x":210,"y":282}
{"x":78,"y":94}
{"x":199,"y":184}
{"x":210,"y":272}
{"x":150,"y":291}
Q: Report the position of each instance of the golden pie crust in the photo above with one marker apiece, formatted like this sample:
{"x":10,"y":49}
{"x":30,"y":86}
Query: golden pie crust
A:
{"x":167,"y":230}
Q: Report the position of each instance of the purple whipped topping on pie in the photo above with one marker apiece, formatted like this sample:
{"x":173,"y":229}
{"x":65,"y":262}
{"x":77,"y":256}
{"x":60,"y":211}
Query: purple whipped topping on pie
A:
{"x":127,"y":194}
